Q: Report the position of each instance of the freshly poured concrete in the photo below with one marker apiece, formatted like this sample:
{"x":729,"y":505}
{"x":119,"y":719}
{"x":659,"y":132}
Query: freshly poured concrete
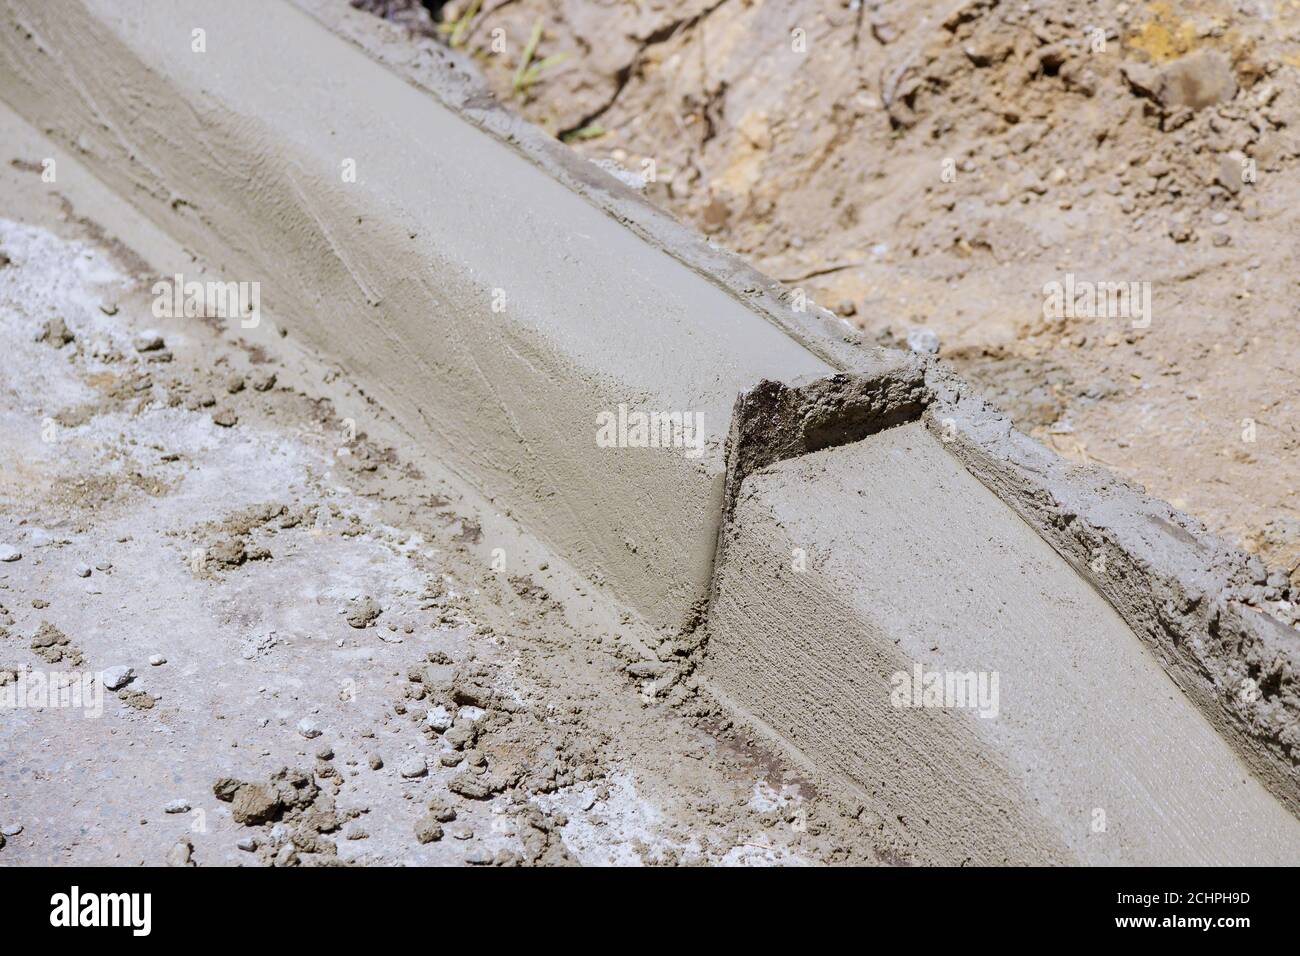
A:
{"x":1094,"y":756}
{"x":240,"y":151}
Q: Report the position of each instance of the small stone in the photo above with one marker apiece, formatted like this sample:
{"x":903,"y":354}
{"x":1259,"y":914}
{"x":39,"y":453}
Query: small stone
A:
{"x":180,"y":854}
{"x":325,"y":752}
{"x":115,"y":678}
{"x":439,"y":718}
{"x":376,"y":762}
{"x":248,"y":844}
{"x":235,"y":384}
{"x":83,"y":570}
{"x":441,"y":811}
{"x":177,"y":806}
{"x":157,"y":660}
{"x":923,"y":340}
{"x":11,"y":829}
{"x":149,"y":342}
{"x":254,"y":804}
{"x":56,"y":333}
{"x":1202,"y":79}
{"x":309,"y":728}
{"x":10,"y":553}
{"x":462,"y":833}
{"x":262,"y":381}
{"x":471,"y":786}
{"x":288,"y":856}
{"x":225,"y":788}
{"x":225,"y":418}
{"x":461,"y":735}
{"x":413,"y":767}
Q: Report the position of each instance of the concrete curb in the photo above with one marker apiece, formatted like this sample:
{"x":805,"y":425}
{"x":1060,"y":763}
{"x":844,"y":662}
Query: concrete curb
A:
{"x":888,"y":616}
{"x":495,"y":313}
{"x":238,"y":154}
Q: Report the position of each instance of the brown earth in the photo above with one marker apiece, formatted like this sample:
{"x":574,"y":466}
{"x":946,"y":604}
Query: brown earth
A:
{"x":934,"y":166}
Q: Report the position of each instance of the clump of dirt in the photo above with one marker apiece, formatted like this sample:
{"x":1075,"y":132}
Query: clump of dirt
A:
{"x":137,"y":699}
{"x":303,"y":815}
{"x":54,"y":647}
{"x":230,"y":543}
{"x":363,"y":613}
{"x":930,"y":170}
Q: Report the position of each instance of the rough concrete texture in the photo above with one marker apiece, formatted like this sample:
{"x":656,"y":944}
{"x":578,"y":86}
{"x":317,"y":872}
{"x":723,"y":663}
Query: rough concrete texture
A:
{"x":1237,"y":660}
{"x":1234,"y":656}
{"x":498,"y":344}
{"x":845,"y":567}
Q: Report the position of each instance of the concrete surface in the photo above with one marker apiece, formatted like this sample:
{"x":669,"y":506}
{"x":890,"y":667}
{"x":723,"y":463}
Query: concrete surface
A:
{"x":113,"y":471}
{"x":848,"y":566}
{"x":395,"y":275}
